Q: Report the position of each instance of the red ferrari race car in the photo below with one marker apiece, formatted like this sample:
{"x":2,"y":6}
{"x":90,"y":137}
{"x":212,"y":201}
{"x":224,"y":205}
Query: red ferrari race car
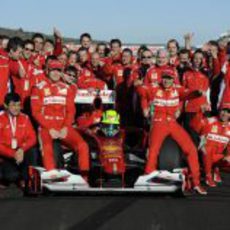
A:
{"x":117,"y":164}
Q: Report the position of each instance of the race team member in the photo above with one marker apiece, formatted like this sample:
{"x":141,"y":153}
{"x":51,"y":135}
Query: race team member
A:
{"x":70,"y":77}
{"x":165,"y":99}
{"x":17,"y":142}
{"x":115,"y":51}
{"x":54,"y":109}
{"x":86,"y":41}
{"x":40,"y":50}
{"x":138,"y":75}
{"x":126,"y":100}
{"x":224,"y":95}
{"x":215,"y":139}
{"x":38,"y":56}
{"x":116,"y":71}
{"x":87,"y":78}
{"x":153,"y":75}
{"x":63,"y":58}
{"x":4,"y":39}
{"x":25,"y":71}
{"x":102,"y":50}
{"x":173,"y":49}
{"x":4,"y":73}
{"x":96,"y":66}
{"x":139,"y":53}
{"x":113,"y":59}
{"x":184,"y":63}
{"x":213,"y":62}
{"x":215,"y":65}
{"x":145,"y":64}
{"x":196,"y":79}
{"x":222,"y":48}
{"x":92,"y":115}
{"x":14,"y":49}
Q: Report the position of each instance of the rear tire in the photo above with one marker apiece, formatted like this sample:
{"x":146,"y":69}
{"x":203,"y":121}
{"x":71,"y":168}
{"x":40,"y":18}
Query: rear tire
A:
{"x":170,"y":156}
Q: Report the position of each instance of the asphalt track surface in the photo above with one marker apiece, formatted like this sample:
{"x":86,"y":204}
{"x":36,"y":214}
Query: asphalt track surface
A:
{"x":108,"y":212}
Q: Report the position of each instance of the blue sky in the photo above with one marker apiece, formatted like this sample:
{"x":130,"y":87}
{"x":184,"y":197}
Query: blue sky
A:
{"x":136,"y":21}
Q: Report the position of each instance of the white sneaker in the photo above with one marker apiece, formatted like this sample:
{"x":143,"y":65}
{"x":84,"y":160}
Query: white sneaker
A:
{"x":200,"y":190}
{"x":217,"y":176}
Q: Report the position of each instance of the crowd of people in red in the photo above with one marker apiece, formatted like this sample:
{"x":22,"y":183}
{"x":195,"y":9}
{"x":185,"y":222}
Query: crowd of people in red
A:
{"x":179,"y":92}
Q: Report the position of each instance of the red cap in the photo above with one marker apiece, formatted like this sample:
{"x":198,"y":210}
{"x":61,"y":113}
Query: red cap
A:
{"x":54,"y":64}
{"x":168,"y":73}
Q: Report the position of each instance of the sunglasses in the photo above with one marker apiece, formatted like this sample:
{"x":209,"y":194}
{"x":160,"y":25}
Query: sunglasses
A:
{"x":71,"y":75}
{"x":167,"y":77}
{"x":28,"y":49}
{"x":57,"y":69}
{"x":146,"y":57}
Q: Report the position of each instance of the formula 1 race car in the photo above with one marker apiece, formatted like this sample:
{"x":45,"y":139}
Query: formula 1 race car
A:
{"x":114,"y":171}
{"x":117,"y":161}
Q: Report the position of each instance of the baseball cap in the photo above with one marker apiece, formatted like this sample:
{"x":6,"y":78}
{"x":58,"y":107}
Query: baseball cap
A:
{"x":168,"y":73}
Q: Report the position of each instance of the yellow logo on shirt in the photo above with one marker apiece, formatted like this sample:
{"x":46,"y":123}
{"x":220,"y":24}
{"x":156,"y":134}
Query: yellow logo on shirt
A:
{"x":87,"y":73}
{"x":47,"y":92}
{"x":214,"y":129}
{"x":154,"y":76}
{"x":159,"y":93}
{"x":120,"y":72}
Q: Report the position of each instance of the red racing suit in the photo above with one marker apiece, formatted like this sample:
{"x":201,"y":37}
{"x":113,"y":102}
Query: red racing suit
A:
{"x":38,"y":61}
{"x":116,"y":71}
{"x":53,"y":108}
{"x":174,"y":61}
{"x":87,"y":119}
{"x":88,"y":80}
{"x":225,"y":97}
{"x":195,"y":80}
{"x":22,"y":84}
{"x":166,"y":104}
{"x":153,"y":75}
{"x":24,"y":134}
{"x":4,"y":77}
{"x":215,"y":138}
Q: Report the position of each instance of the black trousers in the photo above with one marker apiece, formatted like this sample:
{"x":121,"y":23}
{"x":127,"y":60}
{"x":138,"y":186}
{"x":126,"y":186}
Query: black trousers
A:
{"x":187,"y":117}
{"x":11,"y":172}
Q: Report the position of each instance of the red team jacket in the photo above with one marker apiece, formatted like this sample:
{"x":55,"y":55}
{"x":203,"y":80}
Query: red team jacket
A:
{"x":4,"y":77}
{"x":195,"y":80}
{"x":153,"y":74}
{"x":25,"y":134}
{"x":53,"y":104}
{"x":215,"y":132}
{"x":166,"y":102}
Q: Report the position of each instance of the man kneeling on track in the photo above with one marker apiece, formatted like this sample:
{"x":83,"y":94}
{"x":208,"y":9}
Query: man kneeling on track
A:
{"x":166,"y":98}
{"x":215,"y":140}
{"x":17,"y":141}
{"x":54,"y":109}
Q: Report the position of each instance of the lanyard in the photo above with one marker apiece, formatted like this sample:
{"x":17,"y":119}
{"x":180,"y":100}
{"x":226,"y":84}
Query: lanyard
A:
{"x":23,"y":69}
{"x":13,"y":124}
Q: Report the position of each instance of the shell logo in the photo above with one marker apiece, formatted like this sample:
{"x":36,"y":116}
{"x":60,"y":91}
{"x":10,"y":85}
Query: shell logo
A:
{"x":111,"y":148}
